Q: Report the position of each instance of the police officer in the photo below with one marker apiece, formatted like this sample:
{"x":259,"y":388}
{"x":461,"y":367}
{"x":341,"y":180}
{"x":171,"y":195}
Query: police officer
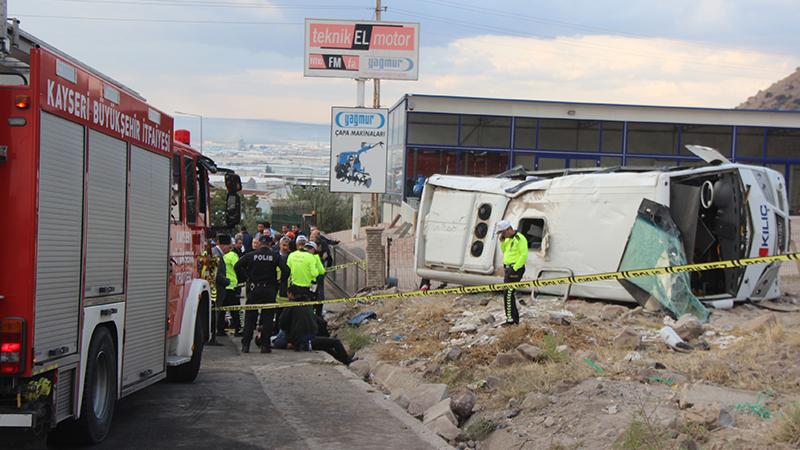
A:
{"x":515,"y":255}
{"x":260,"y":269}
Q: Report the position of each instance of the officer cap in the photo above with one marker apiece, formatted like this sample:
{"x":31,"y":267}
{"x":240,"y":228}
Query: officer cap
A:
{"x":501,"y":226}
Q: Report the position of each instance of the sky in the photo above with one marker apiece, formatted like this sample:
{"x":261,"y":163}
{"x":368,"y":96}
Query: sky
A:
{"x":244,"y":58}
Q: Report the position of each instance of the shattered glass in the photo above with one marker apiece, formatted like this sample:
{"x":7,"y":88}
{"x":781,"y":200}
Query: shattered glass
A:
{"x":655,"y":241}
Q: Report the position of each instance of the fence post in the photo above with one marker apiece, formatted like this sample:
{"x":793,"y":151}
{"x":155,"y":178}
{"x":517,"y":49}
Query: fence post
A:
{"x":376,"y":258}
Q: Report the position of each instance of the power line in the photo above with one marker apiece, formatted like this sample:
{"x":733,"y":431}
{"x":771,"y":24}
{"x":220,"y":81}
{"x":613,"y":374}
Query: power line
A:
{"x":216,"y":4}
{"x":136,"y":19}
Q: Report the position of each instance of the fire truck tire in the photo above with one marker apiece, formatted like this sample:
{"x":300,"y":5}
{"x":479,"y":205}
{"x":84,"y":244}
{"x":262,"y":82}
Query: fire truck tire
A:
{"x":100,"y":390}
{"x":187,"y":373}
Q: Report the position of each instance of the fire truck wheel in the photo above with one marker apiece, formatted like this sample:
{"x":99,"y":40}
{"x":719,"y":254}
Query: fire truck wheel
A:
{"x":100,"y":390}
{"x":186,"y":373}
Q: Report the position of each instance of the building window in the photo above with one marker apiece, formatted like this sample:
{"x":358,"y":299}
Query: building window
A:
{"x":612,"y":137}
{"x":533,"y":230}
{"x":481,"y":164}
{"x":610,"y":161}
{"x":749,"y":142}
{"x":551,"y":163}
{"x":652,"y":138}
{"x":488,"y":132}
{"x":432,"y":129}
{"x":526,"y":160}
{"x":191,"y":191}
{"x":651,"y":162}
{"x":177,"y":194}
{"x":719,"y":138}
{"x":525,"y":133}
{"x":570,"y":135}
{"x":783,"y":143}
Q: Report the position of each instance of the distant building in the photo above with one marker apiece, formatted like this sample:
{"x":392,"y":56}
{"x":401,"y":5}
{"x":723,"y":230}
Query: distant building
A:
{"x":482,"y":137}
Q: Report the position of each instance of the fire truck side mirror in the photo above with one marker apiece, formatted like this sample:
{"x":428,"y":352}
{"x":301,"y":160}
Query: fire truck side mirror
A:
{"x":233,"y":183}
{"x":233,"y":210}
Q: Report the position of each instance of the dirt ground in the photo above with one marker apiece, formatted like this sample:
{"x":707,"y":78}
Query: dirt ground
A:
{"x":737,"y":387}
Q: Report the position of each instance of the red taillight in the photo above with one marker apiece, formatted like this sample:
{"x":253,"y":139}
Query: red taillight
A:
{"x":12,"y":346}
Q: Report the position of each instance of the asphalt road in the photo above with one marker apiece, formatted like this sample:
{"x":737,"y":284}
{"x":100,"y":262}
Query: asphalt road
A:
{"x":283,"y":400}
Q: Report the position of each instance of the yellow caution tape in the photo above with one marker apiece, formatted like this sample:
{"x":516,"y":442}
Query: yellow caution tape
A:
{"x":576,"y":279}
{"x":360,"y":262}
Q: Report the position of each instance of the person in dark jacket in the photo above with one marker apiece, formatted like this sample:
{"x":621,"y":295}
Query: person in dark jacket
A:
{"x":247,"y":240}
{"x":259,"y":269}
{"x":300,"y":325}
{"x":221,"y":280}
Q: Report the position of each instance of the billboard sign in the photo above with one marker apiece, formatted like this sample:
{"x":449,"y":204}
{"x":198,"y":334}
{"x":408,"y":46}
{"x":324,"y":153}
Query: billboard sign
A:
{"x":361,"y":49}
{"x":358,"y":150}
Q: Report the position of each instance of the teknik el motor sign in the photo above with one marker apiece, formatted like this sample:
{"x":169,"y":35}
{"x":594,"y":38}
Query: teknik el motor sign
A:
{"x":358,"y":150}
{"x":361,"y":49}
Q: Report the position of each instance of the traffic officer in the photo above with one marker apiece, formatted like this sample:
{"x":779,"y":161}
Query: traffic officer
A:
{"x":303,"y":272}
{"x":231,"y":291}
{"x":515,"y":255}
{"x":313,"y":248}
{"x":260,"y":270}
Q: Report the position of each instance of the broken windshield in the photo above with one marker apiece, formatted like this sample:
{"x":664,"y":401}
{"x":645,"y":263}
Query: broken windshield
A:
{"x":655,"y":241}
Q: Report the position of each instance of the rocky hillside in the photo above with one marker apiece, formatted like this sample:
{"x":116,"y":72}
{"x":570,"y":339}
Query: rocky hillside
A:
{"x":783,"y":94}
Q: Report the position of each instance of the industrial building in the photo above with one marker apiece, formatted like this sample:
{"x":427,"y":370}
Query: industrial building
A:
{"x":431,"y":134}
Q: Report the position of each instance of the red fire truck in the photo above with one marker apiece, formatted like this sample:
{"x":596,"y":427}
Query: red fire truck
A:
{"x":104,"y":217}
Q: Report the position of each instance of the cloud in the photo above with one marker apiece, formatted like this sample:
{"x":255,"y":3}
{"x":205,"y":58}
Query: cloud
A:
{"x":594,"y":68}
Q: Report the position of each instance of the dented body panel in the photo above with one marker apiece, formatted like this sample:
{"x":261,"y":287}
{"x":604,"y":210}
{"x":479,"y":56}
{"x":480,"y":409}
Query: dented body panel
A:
{"x":580,"y":224}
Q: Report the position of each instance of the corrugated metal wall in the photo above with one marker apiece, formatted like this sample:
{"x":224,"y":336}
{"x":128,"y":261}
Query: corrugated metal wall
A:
{"x":147,"y":266}
{"x":58,"y":259}
{"x":105,"y":257}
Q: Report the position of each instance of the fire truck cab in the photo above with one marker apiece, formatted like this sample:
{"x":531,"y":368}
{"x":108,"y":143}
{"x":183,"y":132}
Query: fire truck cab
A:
{"x":104,"y":218}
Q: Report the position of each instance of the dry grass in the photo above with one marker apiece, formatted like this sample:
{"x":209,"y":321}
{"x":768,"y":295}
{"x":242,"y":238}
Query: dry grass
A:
{"x":521,"y":379}
{"x":764,"y":362}
{"x":426,"y":318}
{"x":788,"y":426}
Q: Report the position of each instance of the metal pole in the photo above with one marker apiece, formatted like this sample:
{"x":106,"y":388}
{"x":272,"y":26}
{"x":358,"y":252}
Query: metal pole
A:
{"x":376,"y":103}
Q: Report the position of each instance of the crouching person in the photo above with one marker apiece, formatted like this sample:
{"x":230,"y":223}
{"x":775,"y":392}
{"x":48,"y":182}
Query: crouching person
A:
{"x":299,"y":322}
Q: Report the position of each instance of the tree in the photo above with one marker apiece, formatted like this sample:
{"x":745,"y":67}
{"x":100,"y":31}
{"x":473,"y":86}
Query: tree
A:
{"x":251,"y":213}
{"x":333,"y":210}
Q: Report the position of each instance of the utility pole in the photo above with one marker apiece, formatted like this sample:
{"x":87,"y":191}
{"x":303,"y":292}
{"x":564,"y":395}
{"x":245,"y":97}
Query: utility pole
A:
{"x":376,"y":103}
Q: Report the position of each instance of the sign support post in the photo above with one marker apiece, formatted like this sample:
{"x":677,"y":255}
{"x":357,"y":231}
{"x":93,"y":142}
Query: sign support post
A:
{"x":361,"y":87}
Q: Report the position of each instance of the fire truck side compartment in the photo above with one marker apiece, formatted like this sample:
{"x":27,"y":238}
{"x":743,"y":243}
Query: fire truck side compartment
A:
{"x":148,"y":248}
{"x":59,"y":236}
{"x":105,"y":237}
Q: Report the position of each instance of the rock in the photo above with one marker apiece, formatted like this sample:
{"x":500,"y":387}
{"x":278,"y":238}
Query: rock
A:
{"x":468,"y":327}
{"x":699,"y":393}
{"x":382,"y":372}
{"x":504,"y":439}
{"x":688,"y":327}
{"x":563,"y":349}
{"x":486,"y":317}
{"x":441,"y":409}
{"x":492,"y":382}
{"x":360,"y":368}
{"x":506,"y":359}
{"x":759,"y":323}
{"x":534,"y":401}
{"x":531,"y":352}
{"x":726,"y":419}
{"x":452,"y":353}
{"x":462,"y":404}
{"x":549,"y":422}
{"x":444,"y":428}
{"x":401,"y":379}
{"x":402,"y":400}
{"x":424,"y":396}
{"x":612,"y":312}
{"x":706,"y":414}
{"x":627,"y":339}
